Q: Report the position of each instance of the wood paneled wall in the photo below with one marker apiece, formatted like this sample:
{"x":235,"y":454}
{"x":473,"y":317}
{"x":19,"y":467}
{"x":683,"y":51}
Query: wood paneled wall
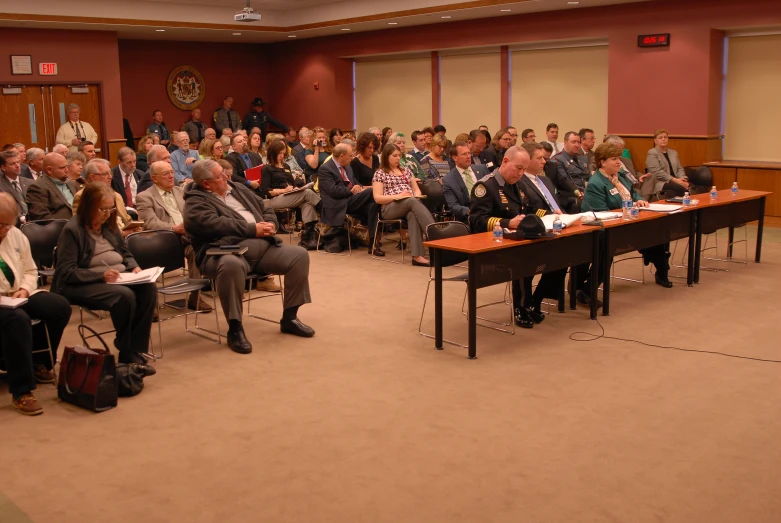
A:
{"x":692,"y":150}
{"x":113,"y":148}
{"x":756,"y":176}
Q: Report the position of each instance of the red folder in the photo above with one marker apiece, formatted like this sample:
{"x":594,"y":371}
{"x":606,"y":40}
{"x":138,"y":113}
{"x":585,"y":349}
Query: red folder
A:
{"x":253,"y":174}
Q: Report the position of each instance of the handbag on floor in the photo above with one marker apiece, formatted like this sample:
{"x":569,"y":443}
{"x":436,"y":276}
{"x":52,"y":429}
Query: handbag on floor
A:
{"x":88,"y":376}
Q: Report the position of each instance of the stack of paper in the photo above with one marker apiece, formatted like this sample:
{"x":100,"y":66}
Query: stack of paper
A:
{"x":146,"y":276}
{"x":601,"y":215}
{"x":566,"y":220}
{"x":11,"y":303}
{"x":661,"y":207}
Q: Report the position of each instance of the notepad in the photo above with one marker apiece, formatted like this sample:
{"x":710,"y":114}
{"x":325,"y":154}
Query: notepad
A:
{"x":660,"y":207}
{"x":134,"y":278}
{"x":11,"y":303}
{"x":217,"y":251}
{"x":302,"y":188}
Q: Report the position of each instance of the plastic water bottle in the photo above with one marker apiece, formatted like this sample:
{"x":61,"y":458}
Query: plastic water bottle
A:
{"x":687,"y":200}
{"x":635,"y":214}
{"x":557,"y":225}
{"x":498,"y":233}
{"x":714,"y":194}
{"x":734,"y":188}
{"x":626,"y":209}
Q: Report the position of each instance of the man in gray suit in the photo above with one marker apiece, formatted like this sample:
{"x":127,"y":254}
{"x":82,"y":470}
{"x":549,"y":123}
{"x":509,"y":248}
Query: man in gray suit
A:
{"x":459,"y":181}
{"x":51,"y":196}
{"x":12,"y":183}
{"x":218,"y":213}
{"x":161,"y":208}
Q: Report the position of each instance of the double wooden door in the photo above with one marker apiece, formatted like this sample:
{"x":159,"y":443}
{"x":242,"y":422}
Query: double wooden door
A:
{"x":32,"y":114}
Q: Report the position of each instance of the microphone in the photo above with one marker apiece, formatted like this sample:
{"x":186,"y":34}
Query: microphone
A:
{"x":596,"y":222}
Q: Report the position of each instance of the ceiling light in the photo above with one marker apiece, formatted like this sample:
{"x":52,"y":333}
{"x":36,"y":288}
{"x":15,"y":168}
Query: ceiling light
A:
{"x":160,"y":30}
{"x":345,"y":29}
{"x":393,"y":23}
{"x":505,"y":10}
{"x":446,"y":16}
{"x":291,"y":36}
{"x":573,"y":3}
{"x":236,"y":34}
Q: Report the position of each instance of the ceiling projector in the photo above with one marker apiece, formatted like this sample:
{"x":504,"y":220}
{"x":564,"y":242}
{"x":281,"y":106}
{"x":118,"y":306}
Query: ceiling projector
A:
{"x":247,"y":15}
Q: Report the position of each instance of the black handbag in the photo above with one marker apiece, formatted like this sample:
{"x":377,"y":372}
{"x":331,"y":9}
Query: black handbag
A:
{"x":130,"y":379}
{"x":88,"y":376}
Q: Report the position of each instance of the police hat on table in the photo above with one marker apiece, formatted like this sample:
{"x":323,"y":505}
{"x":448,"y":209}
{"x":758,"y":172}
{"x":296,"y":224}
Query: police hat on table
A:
{"x":258,"y":102}
{"x":533,"y":228}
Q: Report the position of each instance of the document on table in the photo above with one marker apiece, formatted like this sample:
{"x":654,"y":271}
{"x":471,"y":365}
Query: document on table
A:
{"x":566,"y":220}
{"x":661,"y":207}
{"x":11,"y":303}
{"x":601,"y":215}
{"x":149,"y":275}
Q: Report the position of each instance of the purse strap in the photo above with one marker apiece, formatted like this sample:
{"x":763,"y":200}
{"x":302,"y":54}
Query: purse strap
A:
{"x":70,"y":369}
{"x":82,"y":328}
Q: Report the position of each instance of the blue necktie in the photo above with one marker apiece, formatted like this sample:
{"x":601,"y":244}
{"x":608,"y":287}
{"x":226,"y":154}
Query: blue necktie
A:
{"x":545,"y":192}
{"x":246,"y":160}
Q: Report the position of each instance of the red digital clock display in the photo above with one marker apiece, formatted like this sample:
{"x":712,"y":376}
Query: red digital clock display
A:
{"x":656,"y":40}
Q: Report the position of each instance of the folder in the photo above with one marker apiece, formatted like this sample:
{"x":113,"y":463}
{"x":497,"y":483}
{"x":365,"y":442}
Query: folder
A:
{"x":253,"y":174}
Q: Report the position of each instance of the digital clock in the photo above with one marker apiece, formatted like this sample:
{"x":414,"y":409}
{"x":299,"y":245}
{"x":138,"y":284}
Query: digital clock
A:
{"x":656,"y":40}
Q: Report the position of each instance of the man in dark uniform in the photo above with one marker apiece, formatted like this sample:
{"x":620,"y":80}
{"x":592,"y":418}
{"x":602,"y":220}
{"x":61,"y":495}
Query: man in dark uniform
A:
{"x":572,"y":174}
{"x":260,"y":119}
{"x":497,"y":199}
{"x":226,"y":118}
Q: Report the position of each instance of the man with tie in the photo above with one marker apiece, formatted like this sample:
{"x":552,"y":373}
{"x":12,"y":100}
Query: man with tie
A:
{"x":242,"y":159}
{"x":35,"y":162}
{"x":162,"y":208}
{"x":552,"y":132}
{"x":158,"y":153}
{"x":12,"y":183}
{"x":51,"y":196}
{"x":125,"y":178}
{"x":458,"y":183}
{"x":194,"y":127}
{"x":183,"y":158}
{"x":538,"y":187}
{"x":572,"y":174}
{"x":476,"y":142}
{"x":225,"y":117}
{"x":587,"y":141}
{"x":74,"y":131}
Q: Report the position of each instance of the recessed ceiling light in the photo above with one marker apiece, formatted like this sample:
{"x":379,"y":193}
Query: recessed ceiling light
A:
{"x":291,"y":36}
{"x":236,"y":34}
{"x":448,"y":16}
{"x":505,"y":10}
{"x":345,"y":29}
{"x":393,"y":23}
{"x":573,"y":3}
{"x":160,"y":30}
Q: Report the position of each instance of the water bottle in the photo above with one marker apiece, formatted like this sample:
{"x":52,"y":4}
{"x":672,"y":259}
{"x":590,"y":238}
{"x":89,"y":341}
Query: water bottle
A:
{"x":626,"y":209}
{"x":635,"y":214}
{"x":557,"y":225}
{"x":713,"y":194}
{"x":498,"y":233}
{"x":687,"y":200}
{"x":734,"y":188}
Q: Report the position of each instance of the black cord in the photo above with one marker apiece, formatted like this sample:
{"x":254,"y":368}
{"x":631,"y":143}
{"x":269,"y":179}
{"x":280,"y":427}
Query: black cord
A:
{"x":594,"y":337}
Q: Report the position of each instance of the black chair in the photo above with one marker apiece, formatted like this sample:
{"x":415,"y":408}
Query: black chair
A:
{"x":700,"y":179}
{"x":43,"y":236}
{"x":165,"y":249}
{"x":435,"y":199}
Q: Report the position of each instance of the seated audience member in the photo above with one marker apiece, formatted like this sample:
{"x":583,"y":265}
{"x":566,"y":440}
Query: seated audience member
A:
{"x":60,"y":149}
{"x":99,"y":170}
{"x":461,"y":137}
{"x":376,"y":131}
{"x":277,"y":182}
{"x":537,"y":187}
{"x":88,"y":150}
{"x":665,"y":169}
{"x":459,"y":181}
{"x":317,"y":153}
{"x":144,"y":144}
{"x":194,"y":127}
{"x":242,"y":159}
{"x":35,"y":162}
{"x":51,"y":196}
{"x":419,"y":141}
{"x":210,"y":134}
{"x":211,"y":149}
{"x":483,"y":128}
{"x":552,"y":133}
{"x":440,"y":129}
{"x":528,"y":136}
{"x":255,"y":144}
{"x":572,"y":174}
{"x":227,"y":133}
{"x":407,"y":160}
{"x":513,"y":135}
{"x":290,"y":161}
{"x":12,"y":183}
{"x":492,"y":156}
{"x":18,"y":338}
{"x":183,"y":158}
{"x":393,"y":187}
{"x":435,"y":164}
{"x":161,"y":208}
{"x":366,"y":162}
{"x":476,"y":142}
{"x":291,"y":137}
{"x":335,"y":137}
{"x":304,"y":143}
{"x":75,"y":131}
{"x":551,"y":169}
{"x":386,"y":134}
{"x":429,"y":133}
{"x":605,"y":192}
{"x":159,"y":128}
{"x":218,"y":212}
{"x":91,"y":254}
{"x":158,"y":153}
{"x":226,"y":144}
{"x":342,"y":192}
{"x":76,"y":163}
{"x":22,"y":150}
{"x":125,"y":177}
{"x":587,"y":141}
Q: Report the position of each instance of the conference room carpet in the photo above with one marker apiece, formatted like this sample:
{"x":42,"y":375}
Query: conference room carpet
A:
{"x":366,"y":422}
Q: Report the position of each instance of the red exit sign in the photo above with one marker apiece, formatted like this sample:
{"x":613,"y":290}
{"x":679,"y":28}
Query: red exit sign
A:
{"x":47,"y":69}
{"x":656,"y":40}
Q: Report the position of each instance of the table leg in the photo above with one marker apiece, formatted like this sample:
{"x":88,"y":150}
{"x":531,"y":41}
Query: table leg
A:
{"x":562,"y":297}
{"x":730,"y":239}
{"x":472,"y":292}
{"x":698,"y":248}
{"x":606,"y":274}
{"x":437,"y":260}
{"x":594,"y":277}
{"x":573,"y":287}
{"x":760,"y":229}
{"x":692,"y":240}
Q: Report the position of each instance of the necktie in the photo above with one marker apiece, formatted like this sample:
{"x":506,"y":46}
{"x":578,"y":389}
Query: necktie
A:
{"x":173,"y":210}
{"x":344,"y":176}
{"x":199,"y":125}
{"x":128,"y":191}
{"x":546,"y":193}
{"x":9,"y":274}
{"x":246,"y":160}
{"x":15,"y":183}
{"x":468,"y":180}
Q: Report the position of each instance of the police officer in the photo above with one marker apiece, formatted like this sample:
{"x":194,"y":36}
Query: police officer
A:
{"x":260,"y":118}
{"x":225,"y":117}
{"x":572,"y":174}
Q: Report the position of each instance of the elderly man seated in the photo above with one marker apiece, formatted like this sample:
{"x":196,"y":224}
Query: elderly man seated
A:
{"x":157,"y":153}
{"x":18,"y":337}
{"x":183,"y":158}
{"x":218,"y":213}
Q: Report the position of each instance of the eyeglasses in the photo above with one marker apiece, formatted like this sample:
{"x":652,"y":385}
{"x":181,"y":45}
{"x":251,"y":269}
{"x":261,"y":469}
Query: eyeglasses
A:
{"x":107,"y":211}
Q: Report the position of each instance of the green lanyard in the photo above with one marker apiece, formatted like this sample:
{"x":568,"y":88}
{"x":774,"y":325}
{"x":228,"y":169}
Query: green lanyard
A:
{"x":9,"y":274}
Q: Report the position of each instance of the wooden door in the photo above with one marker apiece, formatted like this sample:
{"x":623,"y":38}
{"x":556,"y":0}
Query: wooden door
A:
{"x":88,"y":99}
{"x":24,"y":117}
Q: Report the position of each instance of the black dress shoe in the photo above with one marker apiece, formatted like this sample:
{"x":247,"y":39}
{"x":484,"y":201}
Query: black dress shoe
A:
{"x":377,"y":251}
{"x":536,"y":316}
{"x":663,"y":281}
{"x":132,"y":357}
{"x":420,"y":264}
{"x":585,"y":299}
{"x":145,"y":370}
{"x":238,"y":342}
{"x":297,"y":328}
{"x":522,"y":319}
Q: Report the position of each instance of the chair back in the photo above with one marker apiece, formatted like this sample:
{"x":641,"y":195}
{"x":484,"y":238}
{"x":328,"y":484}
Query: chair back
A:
{"x":700,"y":179}
{"x":435,"y":195}
{"x":43,"y":236}
{"x":444,"y":230}
{"x":157,"y":249}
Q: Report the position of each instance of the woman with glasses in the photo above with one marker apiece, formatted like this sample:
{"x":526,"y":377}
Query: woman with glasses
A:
{"x":211,"y":149}
{"x":493,"y":155}
{"x":434,"y":164}
{"x":91,"y":254}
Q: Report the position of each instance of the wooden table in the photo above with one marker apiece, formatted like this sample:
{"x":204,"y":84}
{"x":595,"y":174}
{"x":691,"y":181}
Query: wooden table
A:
{"x":492,"y":263}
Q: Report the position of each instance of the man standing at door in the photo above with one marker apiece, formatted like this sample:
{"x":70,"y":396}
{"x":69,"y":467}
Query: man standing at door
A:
{"x":74,"y":131}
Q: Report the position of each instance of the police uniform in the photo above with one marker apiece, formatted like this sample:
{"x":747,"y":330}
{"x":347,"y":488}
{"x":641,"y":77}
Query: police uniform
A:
{"x":261,"y":121}
{"x":572,"y":175}
{"x":224,"y":118}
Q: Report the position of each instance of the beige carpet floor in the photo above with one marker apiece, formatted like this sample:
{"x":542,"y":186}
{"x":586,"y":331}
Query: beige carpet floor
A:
{"x":366,"y":422}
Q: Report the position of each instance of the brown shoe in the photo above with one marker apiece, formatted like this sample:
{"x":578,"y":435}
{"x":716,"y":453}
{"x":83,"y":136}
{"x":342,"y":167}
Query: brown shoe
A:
{"x":43,"y":375}
{"x":268,"y":285}
{"x":28,"y":405}
{"x":194,"y":304}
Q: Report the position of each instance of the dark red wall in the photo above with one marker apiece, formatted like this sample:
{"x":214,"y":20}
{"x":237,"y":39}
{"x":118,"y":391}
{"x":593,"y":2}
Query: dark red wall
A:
{"x":237,"y":70}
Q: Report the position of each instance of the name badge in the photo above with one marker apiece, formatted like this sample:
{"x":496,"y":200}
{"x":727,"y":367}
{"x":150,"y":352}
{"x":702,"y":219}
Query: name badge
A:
{"x":489,"y":164}
{"x":613,"y":191}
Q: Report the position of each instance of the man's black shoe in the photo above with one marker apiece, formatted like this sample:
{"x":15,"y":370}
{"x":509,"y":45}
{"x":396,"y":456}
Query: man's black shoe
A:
{"x":536,"y":316}
{"x":585,"y":299}
{"x":238,"y":342}
{"x":663,"y":281}
{"x":297,"y":328}
{"x":522,"y":319}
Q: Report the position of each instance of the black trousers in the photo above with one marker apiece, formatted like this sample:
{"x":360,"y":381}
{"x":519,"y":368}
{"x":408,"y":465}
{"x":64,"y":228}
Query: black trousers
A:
{"x":674,"y":187}
{"x":659,"y":255}
{"x":131,"y":308}
{"x":17,"y":337}
{"x":363,"y":206}
{"x":550,"y":286}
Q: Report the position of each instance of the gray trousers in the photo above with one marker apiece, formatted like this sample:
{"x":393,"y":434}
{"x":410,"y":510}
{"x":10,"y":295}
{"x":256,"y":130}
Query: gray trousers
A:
{"x":418,"y":218}
{"x":192,"y":267}
{"x":306,"y":199}
{"x":230,"y":273}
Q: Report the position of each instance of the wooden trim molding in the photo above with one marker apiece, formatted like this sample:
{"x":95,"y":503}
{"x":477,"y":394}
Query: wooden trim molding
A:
{"x":113,"y":148}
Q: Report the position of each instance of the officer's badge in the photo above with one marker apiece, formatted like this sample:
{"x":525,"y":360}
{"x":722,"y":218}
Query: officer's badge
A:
{"x":480,"y":191}
{"x":503,"y":197}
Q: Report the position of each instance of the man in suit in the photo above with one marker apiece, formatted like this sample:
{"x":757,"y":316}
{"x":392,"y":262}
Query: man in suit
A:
{"x":587,"y":140}
{"x":225,"y":117}
{"x":218,"y":212}
{"x":260,"y":118}
{"x":552,"y":135}
{"x":22,"y":150}
{"x":572,"y":174}
{"x":476,"y":143}
{"x":341,"y":194}
{"x":51,"y":196}
{"x":194,"y":127}
{"x":35,"y":162}
{"x":241,"y":159}
{"x":162,"y":209}
{"x":458,"y":183}
{"x":12,"y":183}
{"x":304,"y":143}
{"x":125,"y":178}
{"x":528,"y":136}
{"x":157,"y":153}
{"x":419,"y":151}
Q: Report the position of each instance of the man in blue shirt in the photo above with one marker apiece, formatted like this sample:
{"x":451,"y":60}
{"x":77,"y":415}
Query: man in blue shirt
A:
{"x":182,"y":159}
{"x":158,"y":127}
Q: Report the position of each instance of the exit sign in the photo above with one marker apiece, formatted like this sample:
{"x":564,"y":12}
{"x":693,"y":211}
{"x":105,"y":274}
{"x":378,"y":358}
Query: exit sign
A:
{"x":47,"y":69}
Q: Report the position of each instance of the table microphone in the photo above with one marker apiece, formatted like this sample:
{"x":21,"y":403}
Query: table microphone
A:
{"x":596,"y":222}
